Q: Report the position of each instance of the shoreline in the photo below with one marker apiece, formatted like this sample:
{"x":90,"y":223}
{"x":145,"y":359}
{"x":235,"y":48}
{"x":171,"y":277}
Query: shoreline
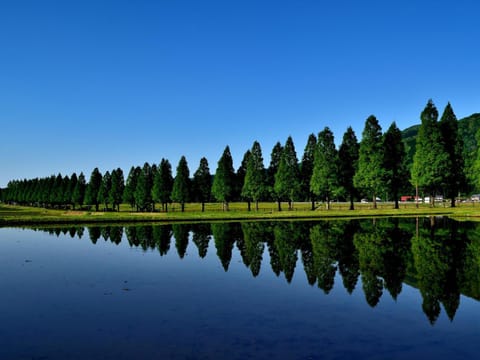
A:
{"x":14,"y":216}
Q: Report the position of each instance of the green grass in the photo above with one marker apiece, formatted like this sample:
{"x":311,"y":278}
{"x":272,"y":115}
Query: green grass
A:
{"x":20,"y":215}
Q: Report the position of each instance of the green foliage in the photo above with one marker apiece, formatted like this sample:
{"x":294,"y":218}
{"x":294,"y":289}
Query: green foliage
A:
{"x":224,"y":240}
{"x":116,"y":191}
{"x":347,"y":164}
{"x":287,"y":177}
{"x":370,"y":170}
{"x":442,"y":164}
{"x":202,"y":183}
{"x":131,"y":185}
{"x":275,"y":157}
{"x":93,"y":187}
{"x":439,"y":255}
{"x":163,"y":184}
{"x":431,"y":161}
{"x":467,"y":129}
{"x":324,"y":250}
{"x":78,"y":194}
{"x":104,"y":191}
{"x":286,"y":243}
{"x":56,"y":192}
{"x":240,"y":177}
{"x":201,"y":238}
{"x":224,"y":179}
{"x":306,"y":168}
{"x":454,"y":177}
{"x":180,"y":233}
{"x":395,"y":170}
{"x":254,"y":234}
{"x":254,"y":187}
{"x":324,"y":181}
{"x":181,"y":184}
{"x":143,"y":190}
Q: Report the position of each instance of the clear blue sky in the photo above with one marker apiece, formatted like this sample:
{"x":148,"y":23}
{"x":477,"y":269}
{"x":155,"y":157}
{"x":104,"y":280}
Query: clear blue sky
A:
{"x":118,"y":83}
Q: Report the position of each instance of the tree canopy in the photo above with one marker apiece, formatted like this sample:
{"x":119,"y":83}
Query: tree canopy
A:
{"x":224,"y":179}
{"x":181,"y":183}
{"x":370,"y":170}
{"x":254,"y":186}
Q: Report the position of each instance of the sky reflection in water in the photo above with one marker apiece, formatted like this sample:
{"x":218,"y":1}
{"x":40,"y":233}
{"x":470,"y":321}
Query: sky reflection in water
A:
{"x":384,"y":288}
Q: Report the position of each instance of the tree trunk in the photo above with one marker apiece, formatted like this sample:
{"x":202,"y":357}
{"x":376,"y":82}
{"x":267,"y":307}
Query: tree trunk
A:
{"x":290,"y":205}
{"x":352,"y":207}
{"x":452,"y":202}
{"x":279,"y":205}
{"x":203,"y":206}
{"x":374,"y":201}
{"x":328,"y":203}
{"x":416,"y":196}
{"x":313,"y":204}
{"x":248,"y":206}
{"x":183,"y":206}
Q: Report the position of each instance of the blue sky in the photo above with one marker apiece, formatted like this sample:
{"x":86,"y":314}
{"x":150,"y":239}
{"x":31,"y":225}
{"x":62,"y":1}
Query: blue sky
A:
{"x":118,"y":83}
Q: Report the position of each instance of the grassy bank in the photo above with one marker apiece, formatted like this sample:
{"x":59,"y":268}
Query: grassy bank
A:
{"x":20,"y":215}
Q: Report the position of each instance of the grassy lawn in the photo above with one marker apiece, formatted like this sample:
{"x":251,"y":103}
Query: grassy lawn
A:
{"x":20,"y":215}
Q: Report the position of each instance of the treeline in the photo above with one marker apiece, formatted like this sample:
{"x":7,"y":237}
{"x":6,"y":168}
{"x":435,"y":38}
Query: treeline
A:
{"x":375,"y":166}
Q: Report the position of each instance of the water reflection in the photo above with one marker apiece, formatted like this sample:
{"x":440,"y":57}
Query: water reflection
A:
{"x":438,"y":256}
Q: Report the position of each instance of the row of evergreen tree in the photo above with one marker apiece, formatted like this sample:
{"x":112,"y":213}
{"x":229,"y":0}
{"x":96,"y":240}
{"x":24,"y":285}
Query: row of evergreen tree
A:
{"x":375,"y":165}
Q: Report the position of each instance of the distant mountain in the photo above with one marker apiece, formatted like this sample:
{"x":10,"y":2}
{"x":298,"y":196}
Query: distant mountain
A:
{"x":468,"y":128}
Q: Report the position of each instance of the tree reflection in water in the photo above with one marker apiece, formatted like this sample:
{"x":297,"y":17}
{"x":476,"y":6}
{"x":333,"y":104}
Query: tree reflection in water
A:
{"x":439,"y":256}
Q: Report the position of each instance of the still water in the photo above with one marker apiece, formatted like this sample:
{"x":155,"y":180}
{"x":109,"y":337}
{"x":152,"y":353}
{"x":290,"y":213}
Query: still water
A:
{"x":369,"y":289}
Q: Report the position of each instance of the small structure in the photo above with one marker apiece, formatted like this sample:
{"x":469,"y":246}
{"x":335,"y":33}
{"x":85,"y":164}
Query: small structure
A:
{"x":405,"y":198}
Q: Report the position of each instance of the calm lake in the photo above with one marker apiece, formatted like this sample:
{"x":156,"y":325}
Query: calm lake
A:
{"x":360,"y":289}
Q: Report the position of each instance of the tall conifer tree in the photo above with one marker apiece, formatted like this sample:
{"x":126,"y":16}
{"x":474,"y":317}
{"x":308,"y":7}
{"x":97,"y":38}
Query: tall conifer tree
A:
{"x":306,"y":169}
{"x":116,"y":191}
{"x":79,"y":191}
{"x":105,"y":187}
{"x":348,"y":162}
{"x":163,"y":184}
{"x":181,"y":184}
{"x":91,"y":194}
{"x":324,"y":181}
{"x":254,"y":186}
{"x":143,"y":190}
{"x":455,"y":178}
{"x":430,"y":161}
{"x":131,"y":185}
{"x":369,"y":176}
{"x":287,"y":177}
{"x":240,"y":178}
{"x":275,"y":157}
{"x":224,"y":179}
{"x":396,"y":174}
{"x":202,"y":183}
